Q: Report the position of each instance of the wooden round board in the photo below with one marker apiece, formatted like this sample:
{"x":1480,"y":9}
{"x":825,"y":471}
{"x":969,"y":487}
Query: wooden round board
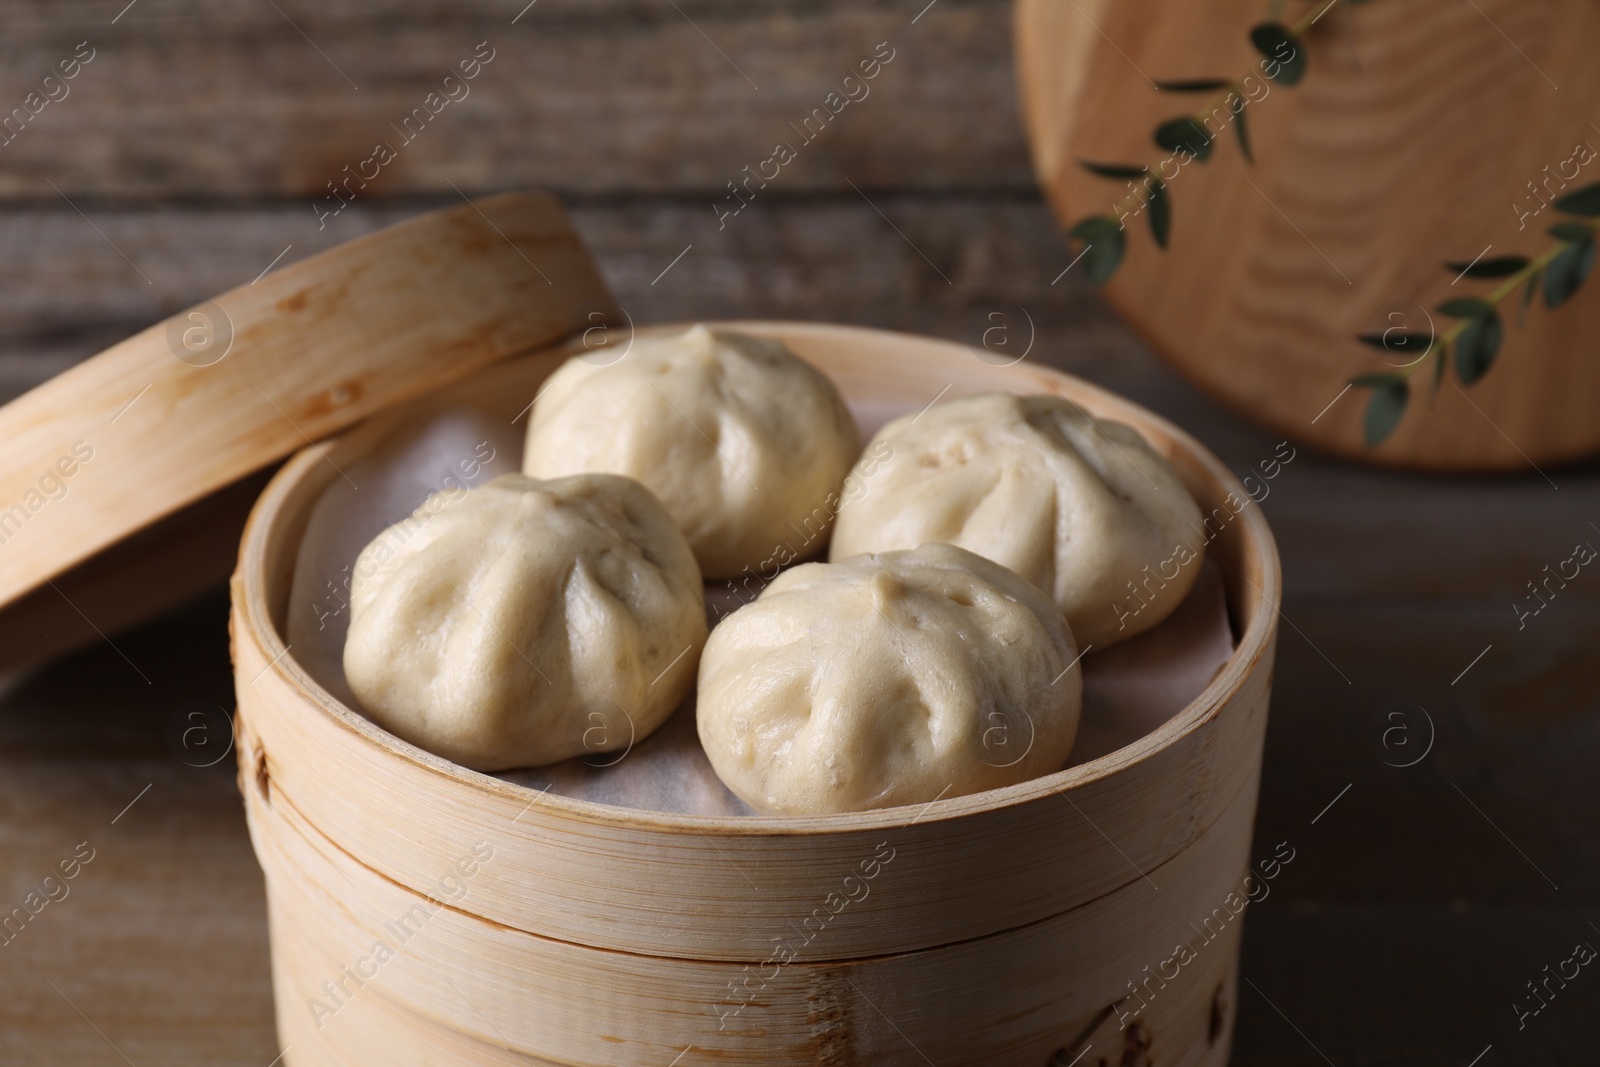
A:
{"x":1420,"y":133}
{"x":168,"y":419}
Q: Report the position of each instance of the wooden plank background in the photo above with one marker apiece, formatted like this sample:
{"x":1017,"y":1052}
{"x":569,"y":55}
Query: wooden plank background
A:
{"x":186,"y":157}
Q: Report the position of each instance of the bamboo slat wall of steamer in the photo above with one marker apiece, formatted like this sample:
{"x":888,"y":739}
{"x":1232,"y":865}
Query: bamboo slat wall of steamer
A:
{"x":188,"y":154}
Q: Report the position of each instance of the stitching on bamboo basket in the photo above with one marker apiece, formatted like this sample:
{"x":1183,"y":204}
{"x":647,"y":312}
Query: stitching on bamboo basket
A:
{"x":290,"y":819}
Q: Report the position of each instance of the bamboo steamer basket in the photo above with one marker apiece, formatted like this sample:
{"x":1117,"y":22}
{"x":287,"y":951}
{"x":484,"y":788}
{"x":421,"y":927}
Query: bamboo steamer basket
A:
{"x":422,"y":913}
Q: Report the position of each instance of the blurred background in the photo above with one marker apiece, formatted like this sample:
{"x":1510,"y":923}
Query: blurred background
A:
{"x":1431,"y":762}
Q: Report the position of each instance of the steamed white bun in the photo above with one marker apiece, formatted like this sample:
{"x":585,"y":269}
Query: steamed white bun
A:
{"x":745,"y":444}
{"x":1081,"y":507}
{"x":506,"y":625}
{"x":886,"y":680}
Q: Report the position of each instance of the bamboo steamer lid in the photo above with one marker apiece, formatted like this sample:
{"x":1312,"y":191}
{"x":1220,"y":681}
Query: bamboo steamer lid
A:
{"x":126,"y":480}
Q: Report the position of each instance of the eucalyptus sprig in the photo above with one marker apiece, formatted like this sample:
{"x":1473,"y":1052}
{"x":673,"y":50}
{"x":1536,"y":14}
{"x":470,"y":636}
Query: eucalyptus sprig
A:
{"x":1477,"y":331}
{"x":1187,"y":138}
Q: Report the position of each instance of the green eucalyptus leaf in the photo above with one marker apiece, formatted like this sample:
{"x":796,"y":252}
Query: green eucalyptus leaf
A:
{"x":1104,"y":256}
{"x":1571,"y":231}
{"x":1384,"y":409}
{"x":1112,"y":170}
{"x":1160,"y":210}
{"x":1566,"y":272}
{"x":1527,"y":295}
{"x":1186,"y":134}
{"x":1104,"y":242}
{"x":1244,"y":136}
{"x":1477,"y":346}
{"x":1585,"y":201}
{"x":1094,"y":226}
{"x":1495,"y":267}
{"x":1466,"y":307}
{"x":1405,"y":343}
{"x":1193,"y":85}
{"x":1273,"y":41}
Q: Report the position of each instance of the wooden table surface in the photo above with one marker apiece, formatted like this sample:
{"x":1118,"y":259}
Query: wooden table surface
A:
{"x":190,"y":152}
